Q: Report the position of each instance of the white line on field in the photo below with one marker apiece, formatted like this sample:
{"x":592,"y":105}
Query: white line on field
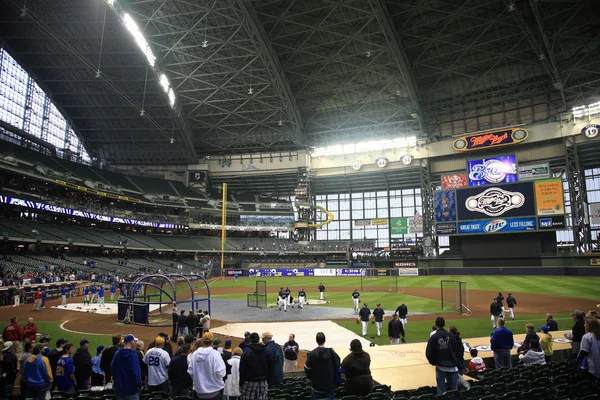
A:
{"x":77,"y":332}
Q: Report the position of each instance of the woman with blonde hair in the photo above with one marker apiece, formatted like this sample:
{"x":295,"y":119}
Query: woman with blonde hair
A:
{"x":232,"y":383}
{"x":589,"y":354}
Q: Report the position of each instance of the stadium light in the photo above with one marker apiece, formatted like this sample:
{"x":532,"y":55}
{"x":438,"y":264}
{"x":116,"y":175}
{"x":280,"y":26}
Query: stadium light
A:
{"x":365,"y":147}
{"x":139,"y":38}
{"x":585,"y":111}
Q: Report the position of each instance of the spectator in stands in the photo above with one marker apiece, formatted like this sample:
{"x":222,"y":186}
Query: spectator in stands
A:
{"x":192,"y":323}
{"x":461,"y":357}
{"x":36,"y":371}
{"x":320,"y":367}
{"x":126,"y":369}
{"x":529,"y":336}
{"x":205,"y":322}
{"x":24,"y":357}
{"x":589,"y":354}
{"x":534,"y":355}
{"x":476,"y":364}
{"x":551,"y":323}
{"x":227,"y":350}
{"x":207,"y":370}
{"x":181,"y":382}
{"x":577,"y":332}
{"x":37,"y":300}
{"x":44,"y":340}
{"x":157,"y":360}
{"x":442,"y":351}
{"x":168,"y":348}
{"x":182,"y":324}
{"x":54,"y":355}
{"x":139,"y":349}
{"x":255,"y":364}
{"x":10,"y":367}
{"x":13,"y":331}
{"x":30,"y":330}
{"x":546,"y":342}
{"x":107,"y":357}
{"x":290,"y":351}
{"x":175,"y":316}
{"x":97,"y":373}
{"x":276,"y":372}
{"x":502,"y":341}
{"x":232,"y":383}
{"x":83,"y":365}
{"x":65,"y":371}
{"x":357,"y":368}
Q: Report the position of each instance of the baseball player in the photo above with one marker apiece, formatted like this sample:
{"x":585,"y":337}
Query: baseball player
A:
{"x":378,"y":313}
{"x":395,"y":330}
{"x":321,"y":291}
{"x":301,"y":298}
{"x":355,"y":299}
{"x":86,"y":295}
{"x":113,"y":292}
{"x":94,"y":294}
{"x":495,"y":312}
{"x":44,"y":297}
{"x":281,"y":300}
{"x":402,"y":312}
{"x":63,"y":296}
{"x":71,"y":290}
{"x":288,"y":296}
{"x":101,"y":296}
{"x":500,"y":300}
{"x":363,"y":317}
{"x":510,"y":300}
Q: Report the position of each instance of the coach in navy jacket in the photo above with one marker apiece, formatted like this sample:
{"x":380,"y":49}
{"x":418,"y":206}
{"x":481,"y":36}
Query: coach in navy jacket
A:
{"x":502,"y":342}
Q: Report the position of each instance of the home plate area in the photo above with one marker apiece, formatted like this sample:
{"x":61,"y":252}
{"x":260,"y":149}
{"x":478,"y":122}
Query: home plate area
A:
{"x":305,"y":332}
{"x":111,"y":308}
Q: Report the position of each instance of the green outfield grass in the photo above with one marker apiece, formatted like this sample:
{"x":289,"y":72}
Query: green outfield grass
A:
{"x":418,"y":331}
{"x":580,"y":287}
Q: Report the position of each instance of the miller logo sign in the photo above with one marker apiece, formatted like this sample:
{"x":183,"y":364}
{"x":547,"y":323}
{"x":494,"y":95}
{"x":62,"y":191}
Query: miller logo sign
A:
{"x":495,"y":225}
{"x":487,"y":140}
{"x":494,"y":202}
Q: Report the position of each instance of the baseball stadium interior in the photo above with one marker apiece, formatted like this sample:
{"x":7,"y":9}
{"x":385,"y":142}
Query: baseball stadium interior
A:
{"x":423,"y":156}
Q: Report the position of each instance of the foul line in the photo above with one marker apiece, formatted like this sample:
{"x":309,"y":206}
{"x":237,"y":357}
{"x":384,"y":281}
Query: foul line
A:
{"x":77,"y":332}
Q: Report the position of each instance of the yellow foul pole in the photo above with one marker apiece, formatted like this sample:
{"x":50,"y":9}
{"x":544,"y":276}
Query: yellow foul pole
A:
{"x":223,"y":223}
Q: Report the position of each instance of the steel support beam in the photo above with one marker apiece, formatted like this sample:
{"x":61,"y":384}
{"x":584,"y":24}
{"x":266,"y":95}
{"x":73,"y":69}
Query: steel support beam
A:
{"x":249,"y":20}
{"x":578,"y":196}
{"x":428,"y":206}
{"x":396,"y":48}
{"x":28,"y":105}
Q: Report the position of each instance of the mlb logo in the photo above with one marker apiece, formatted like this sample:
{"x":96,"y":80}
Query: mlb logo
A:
{"x":546,"y":222}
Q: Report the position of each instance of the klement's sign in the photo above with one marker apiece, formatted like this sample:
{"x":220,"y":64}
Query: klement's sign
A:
{"x":487,"y":140}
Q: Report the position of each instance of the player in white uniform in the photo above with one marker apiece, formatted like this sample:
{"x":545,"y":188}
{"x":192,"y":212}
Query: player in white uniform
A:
{"x":158,"y":360}
{"x":282,"y":300}
{"x":355,"y":299}
{"x":301,"y":298}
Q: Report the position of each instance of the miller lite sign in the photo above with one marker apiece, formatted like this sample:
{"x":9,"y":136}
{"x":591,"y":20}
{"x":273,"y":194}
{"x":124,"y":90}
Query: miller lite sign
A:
{"x":486,"y":140}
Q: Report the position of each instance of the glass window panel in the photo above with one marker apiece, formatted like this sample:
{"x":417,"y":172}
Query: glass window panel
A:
{"x":357,"y":214}
{"x":371,"y":213}
{"x":344,"y":215}
{"x":345,"y":235}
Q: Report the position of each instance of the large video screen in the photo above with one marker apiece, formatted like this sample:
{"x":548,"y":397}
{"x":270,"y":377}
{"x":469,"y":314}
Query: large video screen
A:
{"x":512,"y":200}
{"x":492,"y":170}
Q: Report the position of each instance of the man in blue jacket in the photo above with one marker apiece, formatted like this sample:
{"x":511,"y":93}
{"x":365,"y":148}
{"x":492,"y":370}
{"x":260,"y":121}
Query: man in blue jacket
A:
{"x":276,"y":374}
{"x":126,"y":371}
{"x":443,"y":351}
{"x":502,"y":342}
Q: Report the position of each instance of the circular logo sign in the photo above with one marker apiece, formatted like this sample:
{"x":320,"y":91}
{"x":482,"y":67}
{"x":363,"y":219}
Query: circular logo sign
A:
{"x":460,"y":144}
{"x":381,"y":162}
{"x":519,"y":135}
{"x":591,"y":131}
{"x":356,"y":165}
{"x":406,"y":159}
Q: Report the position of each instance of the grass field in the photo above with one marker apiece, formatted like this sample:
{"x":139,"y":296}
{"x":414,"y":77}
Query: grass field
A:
{"x":52,"y":329}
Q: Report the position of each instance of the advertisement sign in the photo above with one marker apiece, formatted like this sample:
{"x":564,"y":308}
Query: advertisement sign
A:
{"x":515,"y":200}
{"x":408,"y":271}
{"x":497,"y":225}
{"x":415,"y":224}
{"x":281,"y":272}
{"x":379,"y":221}
{"x":533,"y":172}
{"x":350,"y":272}
{"x":383,"y":272}
{"x":493,"y":170}
{"x":486,"y":140}
{"x":595,"y":213}
{"x":445,"y":205}
{"x":232,"y":272}
{"x":549,"y":198}
{"x":399,"y":225}
{"x":552,"y":222}
{"x":362,"y":222}
{"x":454,"y":181}
{"x":362,"y":264}
{"x":448,"y":228}
{"x":403,"y":264}
{"x":325,"y":272}
{"x":337,"y":262}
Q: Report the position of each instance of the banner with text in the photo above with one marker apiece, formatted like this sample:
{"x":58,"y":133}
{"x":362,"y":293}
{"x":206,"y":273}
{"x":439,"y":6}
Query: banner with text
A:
{"x":399,"y":225}
{"x":497,"y":225}
{"x":595,"y":213}
{"x":549,"y":197}
{"x":534,"y":171}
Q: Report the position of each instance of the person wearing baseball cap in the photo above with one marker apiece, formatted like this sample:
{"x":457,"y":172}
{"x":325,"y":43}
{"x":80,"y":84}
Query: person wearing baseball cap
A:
{"x":157,"y":360}
{"x":227,"y":350}
{"x":82,"y":361}
{"x":54,"y":355}
{"x":127,"y":374}
{"x":255,"y":365}
{"x":246,"y":342}
{"x":207,"y":369}
{"x":546,"y":342}
{"x":363,"y":317}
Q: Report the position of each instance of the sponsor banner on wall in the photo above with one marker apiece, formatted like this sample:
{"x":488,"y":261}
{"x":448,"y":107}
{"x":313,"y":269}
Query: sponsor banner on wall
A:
{"x":486,"y":140}
{"x":362,"y":264}
{"x":274,"y":265}
{"x":595,"y":213}
{"x":498,"y":225}
{"x":350,"y":272}
{"x":362,"y":222}
{"x":492,"y":170}
{"x":403,"y":264}
{"x":454,"y":181}
{"x":552,"y":222}
{"x":232,"y":272}
{"x":549,"y":197}
{"x":337,"y":262}
{"x":383,"y":272}
{"x":447,"y":228}
{"x":408,"y":271}
{"x":445,"y":205}
{"x":512,"y":200}
{"x":399,"y":225}
{"x":379,"y":221}
{"x":594,"y":261}
{"x":281,"y":272}
{"x":533,"y":172}
{"x":415,"y":224}
{"x":325,"y":272}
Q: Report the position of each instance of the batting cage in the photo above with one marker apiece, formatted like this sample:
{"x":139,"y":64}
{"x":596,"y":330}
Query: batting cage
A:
{"x":455,"y":296}
{"x":149,"y":299}
{"x":258,"y":299}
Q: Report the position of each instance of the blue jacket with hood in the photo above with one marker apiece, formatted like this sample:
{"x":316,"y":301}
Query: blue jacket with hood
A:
{"x":126,"y":372}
